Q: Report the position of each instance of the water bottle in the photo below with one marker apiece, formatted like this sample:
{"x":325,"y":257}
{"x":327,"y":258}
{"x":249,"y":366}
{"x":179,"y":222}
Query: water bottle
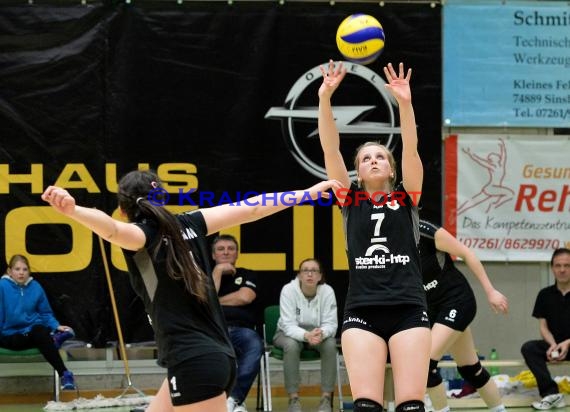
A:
{"x":447,"y":374}
{"x":494,"y":370}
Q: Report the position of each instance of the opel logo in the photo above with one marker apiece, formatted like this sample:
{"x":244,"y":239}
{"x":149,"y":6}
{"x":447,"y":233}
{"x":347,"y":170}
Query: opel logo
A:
{"x":361,"y":83}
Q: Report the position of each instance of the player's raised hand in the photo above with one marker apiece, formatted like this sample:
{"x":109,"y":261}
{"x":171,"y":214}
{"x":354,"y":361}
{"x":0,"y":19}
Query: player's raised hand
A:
{"x":59,"y":199}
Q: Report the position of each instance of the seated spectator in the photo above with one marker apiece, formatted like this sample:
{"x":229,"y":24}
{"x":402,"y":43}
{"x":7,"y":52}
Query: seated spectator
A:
{"x":308,"y":318}
{"x":552,"y":309}
{"x":237,"y":291}
{"x":26,"y":318}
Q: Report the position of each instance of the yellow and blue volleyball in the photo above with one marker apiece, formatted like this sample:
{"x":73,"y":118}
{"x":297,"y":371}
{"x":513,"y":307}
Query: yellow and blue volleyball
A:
{"x":360,"y":38}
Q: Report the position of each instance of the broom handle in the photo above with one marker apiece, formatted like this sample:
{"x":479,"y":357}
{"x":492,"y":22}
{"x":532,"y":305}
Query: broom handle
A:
{"x":115,"y":313}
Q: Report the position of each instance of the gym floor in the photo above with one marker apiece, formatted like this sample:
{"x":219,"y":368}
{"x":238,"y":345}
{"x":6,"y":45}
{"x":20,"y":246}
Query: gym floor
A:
{"x":279,"y":405}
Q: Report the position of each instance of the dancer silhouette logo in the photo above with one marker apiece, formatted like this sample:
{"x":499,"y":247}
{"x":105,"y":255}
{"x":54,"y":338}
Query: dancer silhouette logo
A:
{"x":493,"y":194}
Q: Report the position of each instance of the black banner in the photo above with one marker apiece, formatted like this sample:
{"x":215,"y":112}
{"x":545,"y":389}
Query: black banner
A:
{"x":216,"y":97}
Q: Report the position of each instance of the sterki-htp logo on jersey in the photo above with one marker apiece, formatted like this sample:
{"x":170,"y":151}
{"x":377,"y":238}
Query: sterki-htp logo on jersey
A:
{"x":378,"y":256}
{"x":375,"y":261}
{"x":299,"y":120}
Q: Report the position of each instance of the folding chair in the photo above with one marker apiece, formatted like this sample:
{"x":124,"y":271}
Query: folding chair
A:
{"x":271,"y":316}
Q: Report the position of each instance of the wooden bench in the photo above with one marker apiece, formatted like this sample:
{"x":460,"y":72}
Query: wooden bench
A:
{"x":509,"y":401}
{"x":455,"y":403}
{"x":13,"y":359}
{"x":83,"y":361}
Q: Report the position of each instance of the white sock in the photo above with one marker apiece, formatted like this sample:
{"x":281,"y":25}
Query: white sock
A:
{"x":498,"y":408}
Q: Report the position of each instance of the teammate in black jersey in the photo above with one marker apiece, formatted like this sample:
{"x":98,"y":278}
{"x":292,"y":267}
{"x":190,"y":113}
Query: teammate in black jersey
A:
{"x":452,"y":307}
{"x":385,"y":308}
{"x":168,"y":261}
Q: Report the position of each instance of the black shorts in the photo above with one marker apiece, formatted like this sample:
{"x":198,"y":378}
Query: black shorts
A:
{"x":456,"y":313}
{"x":386,"y":321}
{"x":201,"y":378}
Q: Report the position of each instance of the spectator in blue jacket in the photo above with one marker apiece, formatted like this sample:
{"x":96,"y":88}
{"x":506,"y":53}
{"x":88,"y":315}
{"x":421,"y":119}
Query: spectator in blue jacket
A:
{"x":26,"y":318}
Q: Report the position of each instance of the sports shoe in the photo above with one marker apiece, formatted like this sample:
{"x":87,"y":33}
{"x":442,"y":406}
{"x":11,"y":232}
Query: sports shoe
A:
{"x":325,"y":404}
{"x":231,"y":404}
{"x":240,"y":407}
{"x":61,"y":336}
{"x":550,"y":401}
{"x":67,"y":381}
{"x":294,"y":405}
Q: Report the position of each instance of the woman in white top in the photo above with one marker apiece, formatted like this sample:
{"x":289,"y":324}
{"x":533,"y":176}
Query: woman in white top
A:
{"x":308,"y":318}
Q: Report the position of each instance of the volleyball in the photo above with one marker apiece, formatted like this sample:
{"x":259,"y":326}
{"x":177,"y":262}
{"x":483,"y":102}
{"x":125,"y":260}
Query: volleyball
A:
{"x":360,"y":38}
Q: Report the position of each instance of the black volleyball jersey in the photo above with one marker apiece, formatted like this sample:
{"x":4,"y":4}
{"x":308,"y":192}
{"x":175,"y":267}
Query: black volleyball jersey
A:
{"x":184,"y":328}
{"x":442,"y":280}
{"x":381,"y":241}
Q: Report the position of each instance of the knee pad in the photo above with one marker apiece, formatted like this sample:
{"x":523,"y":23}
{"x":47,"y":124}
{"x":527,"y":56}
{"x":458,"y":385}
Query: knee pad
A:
{"x":411,"y":406}
{"x":366,"y":405}
{"x":476,"y":375}
{"x":434,"y":377}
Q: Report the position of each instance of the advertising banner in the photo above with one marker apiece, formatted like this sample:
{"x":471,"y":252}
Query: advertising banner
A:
{"x":508,"y":197}
{"x":220,"y":100}
{"x":506,"y":63}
